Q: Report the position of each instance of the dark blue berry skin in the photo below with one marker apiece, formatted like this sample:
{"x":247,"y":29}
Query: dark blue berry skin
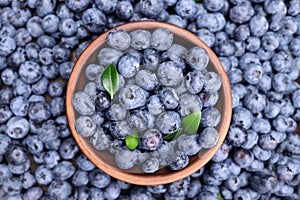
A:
{"x":124,"y":10}
{"x":180,"y":162}
{"x":112,"y":191}
{"x":77,"y":6}
{"x":64,"y":170}
{"x":255,"y":102}
{"x":236,"y":136}
{"x":151,"y":140}
{"x":128,"y":65}
{"x":206,"y":36}
{"x":242,"y":117}
{"x":5,"y":113}
{"x":241,"y":13}
{"x":22,"y":37}
{"x":19,"y":106}
{"x":119,"y":129}
{"x":60,"y":189}
{"x":50,"y":23}
{"x":151,"y":8}
{"x":186,"y":8}
{"x":61,"y":54}
{"x":99,"y":179}
{"x":34,"y":26}
{"x":39,"y":111}
{"x":8,"y":76}
{"x":94,"y":20}
{"x":106,"y":6}
{"x":243,"y":157}
{"x":210,"y":117}
{"x":68,"y":149}
{"x":40,"y":87}
{"x":7,"y":45}
{"x":179,"y":188}
{"x":80,"y":178}
{"x":212,"y":21}
{"x":65,"y":69}
{"x":169,"y":98}
{"x":17,"y":127}
{"x":151,"y":59}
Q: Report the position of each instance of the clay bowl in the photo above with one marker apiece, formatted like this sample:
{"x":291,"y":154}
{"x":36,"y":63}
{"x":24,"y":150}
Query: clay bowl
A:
{"x":104,"y":160}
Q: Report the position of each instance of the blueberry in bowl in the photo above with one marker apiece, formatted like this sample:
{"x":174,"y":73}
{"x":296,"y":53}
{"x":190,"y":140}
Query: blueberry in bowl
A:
{"x":148,"y":103}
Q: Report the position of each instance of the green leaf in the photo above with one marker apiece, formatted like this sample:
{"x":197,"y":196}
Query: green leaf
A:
{"x":219,"y":196}
{"x":190,"y":123}
{"x":170,"y":136}
{"x":110,"y":80}
{"x":132,"y":140}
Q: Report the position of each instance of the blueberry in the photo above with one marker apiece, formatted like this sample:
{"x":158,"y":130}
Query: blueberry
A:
{"x":151,"y":165}
{"x":188,"y":144}
{"x":60,"y":189}
{"x":57,"y":106}
{"x":112,"y":191}
{"x":140,"y":120}
{"x":150,"y":59}
{"x":34,"y":144}
{"x":261,"y":125}
{"x":51,"y":159}
{"x":282,"y":61}
{"x":27,"y":180}
{"x":146,"y":79}
{"x":180,"y":162}
{"x":7,"y":45}
{"x":125,"y":159}
{"x":242,"y":117}
{"x":154,"y":105}
{"x":93,"y":71}
{"x":68,"y":149}
{"x":43,"y":175}
{"x":64,"y":170}
{"x":17,"y":155}
{"x":17,"y":127}
{"x":132,"y":96}
{"x":236,"y":136}
{"x":124,"y":10}
{"x":241,"y":13}
{"x":212,"y":21}
{"x":8,"y":76}
{"x":102,"y":101}
{"x":108,"y":56}
{"x":39,"y":111}
{"x":169,"y":98}
{"x":270,"y":41}
{"x":106,"y":6}
{"x":33,"y":193}
{"x":188,"y":104}
{"x":186,"y":8}
{"x":13,"y":186}
{"x":195,"y":81}
{"x":157,"y":189}
{"x":161,"y":39}
{"x":151,"y":140}
{"x":19,"y":106}
{"x":77,"y":6}
{"x":50,"y":23}
{"x":119,"y":129}
{"x":213,"y":5}
{"x":197,"y":58}
{"x":222,"y":153}
{"x":116,"y":112}
{"x":128,"y":65}
{"x":118,"y":39}
{"x":140,"y":39}
{"x":241,"y":33}
{"x":61,"y":55}
{"x":83,"y":103}
{"x":151,"y":8}
{"x":80,"y":178}
{"x":94,"y":20}
{"x":243,"y":157}
{"x":169,"y":73}
{"x":206,"y":36}
{"x":258,"y":25}
{"x":84,"y":164}
{"x":211,"y":117}
{"x":208,"y":138}
{"x":100,"y":140}
{"x":168,"y":122}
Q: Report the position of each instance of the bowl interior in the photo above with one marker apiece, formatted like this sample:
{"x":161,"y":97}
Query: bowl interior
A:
{"x":104,"y":160}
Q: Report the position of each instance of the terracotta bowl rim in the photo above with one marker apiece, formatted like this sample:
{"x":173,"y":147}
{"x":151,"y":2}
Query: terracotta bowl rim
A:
{"x":150,"y":179}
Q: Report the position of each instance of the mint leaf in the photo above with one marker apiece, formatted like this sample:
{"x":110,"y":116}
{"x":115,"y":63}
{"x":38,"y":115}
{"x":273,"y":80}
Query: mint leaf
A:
{"x":219,"y":196}
{"x":132,"y":140}
{"x":171,"y":136}
{"x":190,"y":123}
{"x":110,"y":80}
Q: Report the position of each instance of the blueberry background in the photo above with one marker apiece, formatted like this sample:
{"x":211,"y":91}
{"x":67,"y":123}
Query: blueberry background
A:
{"x":258,"y":42}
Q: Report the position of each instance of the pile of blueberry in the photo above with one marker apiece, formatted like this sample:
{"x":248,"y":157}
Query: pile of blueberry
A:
{"x":258,"y":44}
{"x":159,"y":83}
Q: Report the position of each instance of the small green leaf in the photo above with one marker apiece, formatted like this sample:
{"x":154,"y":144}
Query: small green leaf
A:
{"x":190,"y":123}
{"x":132,"y":140}
{"x":219,"y":196}
{"x":170,"y":136}
{"x":110,"y":80}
